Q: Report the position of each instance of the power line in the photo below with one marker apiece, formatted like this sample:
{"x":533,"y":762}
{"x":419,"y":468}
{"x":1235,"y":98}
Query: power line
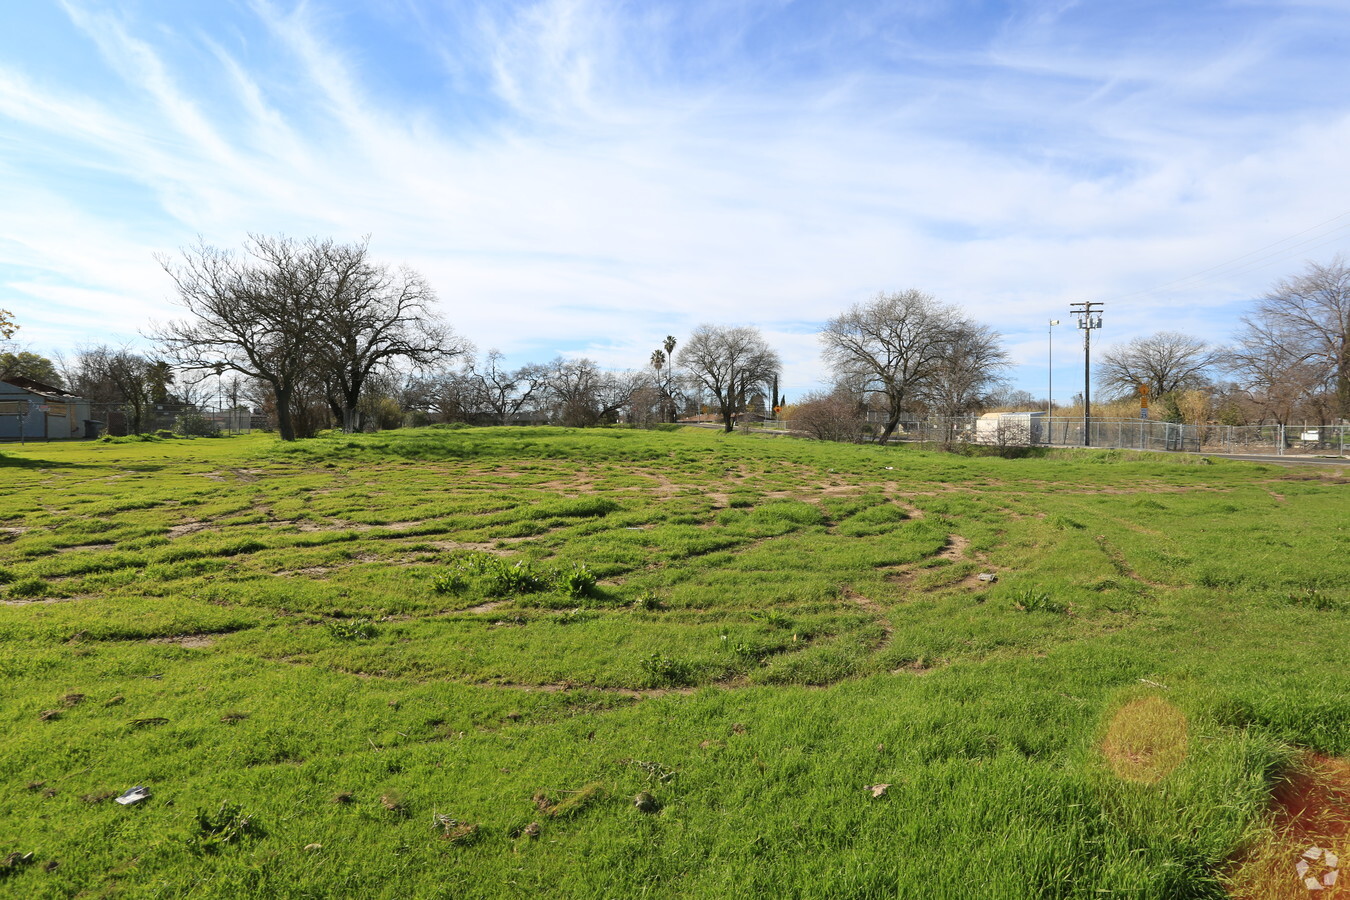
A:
{"x":1237,"y":266}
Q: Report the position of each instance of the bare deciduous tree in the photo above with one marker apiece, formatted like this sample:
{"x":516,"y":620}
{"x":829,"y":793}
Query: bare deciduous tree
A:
{"x":1298,"y":336}
{"x":301,"y":314}
{"x":256,"y":314}
{"x":1273,"y":374}
{"x":1166,"y":361}
{"x":581,"y":394}
{"x":107,"y":375}
{"x":899,"y":346}
{"x":502,"y":393}
{"x":729,"y":363}
{"x":971,"y":368}
{"x":370,"y":316}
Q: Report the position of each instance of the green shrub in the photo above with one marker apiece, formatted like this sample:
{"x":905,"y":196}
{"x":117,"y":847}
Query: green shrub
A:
{"x":194,"y":424}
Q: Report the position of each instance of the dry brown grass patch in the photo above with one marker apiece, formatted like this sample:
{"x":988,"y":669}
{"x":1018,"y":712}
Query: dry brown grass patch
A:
{"x":1146,"y":740}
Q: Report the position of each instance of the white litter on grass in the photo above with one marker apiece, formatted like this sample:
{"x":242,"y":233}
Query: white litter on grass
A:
{"x":134,"y":795}
{"x":1318,"y":868}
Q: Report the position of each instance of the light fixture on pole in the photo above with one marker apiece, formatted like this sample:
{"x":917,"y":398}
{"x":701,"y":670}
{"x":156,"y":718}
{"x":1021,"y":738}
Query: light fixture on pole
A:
{"x":1089,"y":313}
{"x":1050,"y":369}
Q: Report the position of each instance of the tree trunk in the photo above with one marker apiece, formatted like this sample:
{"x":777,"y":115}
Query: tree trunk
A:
{"x":892,"y":421}
{"x":1343,"y":383}
{"x":285,"y":427}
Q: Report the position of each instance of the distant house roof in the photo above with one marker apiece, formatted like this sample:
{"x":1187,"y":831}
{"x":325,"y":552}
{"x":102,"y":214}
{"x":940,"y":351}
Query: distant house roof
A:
{"x":38,"y":387}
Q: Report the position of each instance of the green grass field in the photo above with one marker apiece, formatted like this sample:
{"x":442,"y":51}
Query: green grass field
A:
{"x":444,"y":663}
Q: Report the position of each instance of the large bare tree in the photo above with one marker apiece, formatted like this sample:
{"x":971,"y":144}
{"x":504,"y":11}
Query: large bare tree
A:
{"x":1303,"y":328}
{"x":730,"y":363}
{"x":582,"y":394}
{"x":1166,"y":361}
{"x":370,"y":316}
{"x":255,"y":313}
{"x":971,"y":369}
{"x":298,"y":314}
{"x":892,"y":346}
{"x":1274,"y":374}
{"x":503,"y":393}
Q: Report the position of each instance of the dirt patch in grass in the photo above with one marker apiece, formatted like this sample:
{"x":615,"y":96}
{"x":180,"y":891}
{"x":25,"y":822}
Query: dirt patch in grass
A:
{"x":486,"y":607}
{"x":956,"y":548}
{"x":186,"y":528}
{"x":919,"y":666}
{"x":308,"y":572}
{"x":1310,"y":815}
{"x":480,"y":546}
{"x":78,"y":547}
{"x":1118,"y":562}
{"x":564,"y":686}
{"x":192,"y":641}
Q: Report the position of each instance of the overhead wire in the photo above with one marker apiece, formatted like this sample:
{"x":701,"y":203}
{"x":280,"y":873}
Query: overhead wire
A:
{"x":1244,"y":264}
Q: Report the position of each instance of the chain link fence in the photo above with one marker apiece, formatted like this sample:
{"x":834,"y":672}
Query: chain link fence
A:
{"x":1038,"y":430}
{"x":118,"y":419}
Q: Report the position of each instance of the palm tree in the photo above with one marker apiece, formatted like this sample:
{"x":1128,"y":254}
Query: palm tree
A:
{"x":670,"y":375}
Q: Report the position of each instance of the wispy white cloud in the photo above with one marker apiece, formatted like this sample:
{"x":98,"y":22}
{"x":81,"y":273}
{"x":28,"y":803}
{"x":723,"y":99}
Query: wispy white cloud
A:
{"x":604,"y":179}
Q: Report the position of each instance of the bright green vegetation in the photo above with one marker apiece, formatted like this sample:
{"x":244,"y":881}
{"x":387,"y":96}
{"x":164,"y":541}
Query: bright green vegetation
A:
{"x":453,"y":658}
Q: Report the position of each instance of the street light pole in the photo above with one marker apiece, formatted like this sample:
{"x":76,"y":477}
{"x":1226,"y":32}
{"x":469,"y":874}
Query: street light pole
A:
{"x":1050,"y":369}
{"x":1089,"y":313}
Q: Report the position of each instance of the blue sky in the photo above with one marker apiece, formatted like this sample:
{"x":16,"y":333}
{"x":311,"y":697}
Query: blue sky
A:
{"x":585,"y":178}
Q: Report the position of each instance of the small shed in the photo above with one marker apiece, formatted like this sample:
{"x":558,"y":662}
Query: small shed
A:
{"x":34,"y":411}
{"x":1011,"y":429}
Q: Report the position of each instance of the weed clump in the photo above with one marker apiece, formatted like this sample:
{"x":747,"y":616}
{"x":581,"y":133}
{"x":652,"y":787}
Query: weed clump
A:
{"x":1031,"y":600}
{"x":353,"y":630}
{"x":498,"y":577}
{"x":648,"y":602}
{"x":660,"y":670}
{"x":577,"y":581}
{"x":227,"y":825}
